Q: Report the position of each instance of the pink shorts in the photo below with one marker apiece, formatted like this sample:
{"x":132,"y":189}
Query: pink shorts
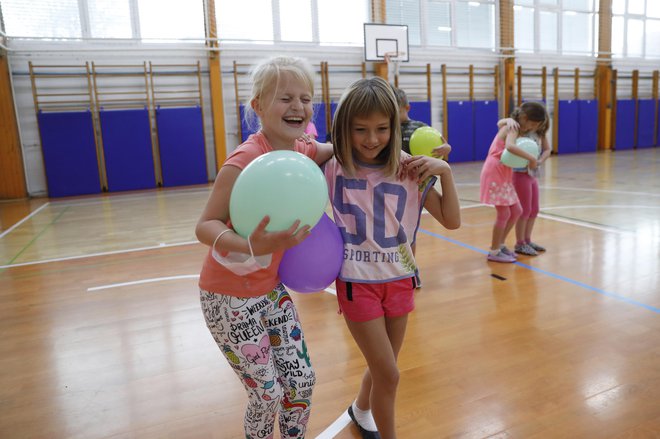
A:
{"x":361,"y":302}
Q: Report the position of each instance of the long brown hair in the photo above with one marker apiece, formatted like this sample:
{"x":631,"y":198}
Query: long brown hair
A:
{"x":534,"y":111}
{"x":362,"y":99}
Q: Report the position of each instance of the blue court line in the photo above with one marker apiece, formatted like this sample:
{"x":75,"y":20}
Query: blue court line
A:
{"x":556,"y":276}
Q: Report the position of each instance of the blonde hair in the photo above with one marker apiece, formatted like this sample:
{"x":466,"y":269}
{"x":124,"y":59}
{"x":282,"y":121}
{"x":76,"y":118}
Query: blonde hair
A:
{"x":534,"y":111}
{"x":362,"y":99}
{"x":266,"y":76}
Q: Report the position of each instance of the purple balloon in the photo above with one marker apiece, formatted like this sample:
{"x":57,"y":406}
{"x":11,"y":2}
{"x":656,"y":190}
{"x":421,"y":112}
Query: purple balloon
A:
{"x":314,"y":264}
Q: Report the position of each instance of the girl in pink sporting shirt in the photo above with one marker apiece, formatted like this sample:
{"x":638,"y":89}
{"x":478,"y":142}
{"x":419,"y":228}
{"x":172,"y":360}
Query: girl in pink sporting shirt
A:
{"x":496,"y":180}
{"x":377,"y":194}
{"x":247,"y":310}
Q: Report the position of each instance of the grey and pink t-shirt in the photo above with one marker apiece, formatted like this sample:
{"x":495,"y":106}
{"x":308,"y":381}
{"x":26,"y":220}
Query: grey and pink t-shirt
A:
{"x":378,"y":217}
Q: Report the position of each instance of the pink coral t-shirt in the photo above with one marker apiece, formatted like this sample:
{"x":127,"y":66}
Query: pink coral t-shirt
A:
{"x":216,"y":278}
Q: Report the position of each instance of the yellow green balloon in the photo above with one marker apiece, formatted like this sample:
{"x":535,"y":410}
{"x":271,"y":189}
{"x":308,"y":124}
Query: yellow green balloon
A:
{"x":424,"y":140}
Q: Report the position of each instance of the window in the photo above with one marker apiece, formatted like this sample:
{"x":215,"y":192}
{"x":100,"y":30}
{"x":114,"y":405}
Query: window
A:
{"x":42,"y":18}
{"x":233,"y":16}
{"x":82,"y":19}
{"x":457,"y":23}
{"x":548,"y":29}
{"x":523,"y":28}
{"x":439,"y":28}
{"x":566,"y":26}
{"x":635,"y":28}
{"x":407,"y":12}
{"x":318,"y":21}
{"x":475,"y":24}
{"x":109,"y":19}
{"x":295,"y":20}
{"x":342,"y":21}
{"x":577,"y":33}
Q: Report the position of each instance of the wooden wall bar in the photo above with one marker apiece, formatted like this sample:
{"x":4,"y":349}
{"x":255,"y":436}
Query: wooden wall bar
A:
{"x":12,"y":174}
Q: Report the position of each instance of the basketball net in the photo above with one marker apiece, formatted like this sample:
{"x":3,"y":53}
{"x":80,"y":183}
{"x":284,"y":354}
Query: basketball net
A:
{"x":391,"y":59}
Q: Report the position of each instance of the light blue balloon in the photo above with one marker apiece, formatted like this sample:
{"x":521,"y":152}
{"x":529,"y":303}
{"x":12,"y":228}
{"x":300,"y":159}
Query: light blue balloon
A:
{"x":285,"y":185}
{"x":515,"y":161}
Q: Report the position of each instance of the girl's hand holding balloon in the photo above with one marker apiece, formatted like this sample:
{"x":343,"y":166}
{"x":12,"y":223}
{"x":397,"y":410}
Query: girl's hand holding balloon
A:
{"x":421,"y":167}
{"x":264,"y":243}
{"x":442,"y":151}
{"x":533,"y":164}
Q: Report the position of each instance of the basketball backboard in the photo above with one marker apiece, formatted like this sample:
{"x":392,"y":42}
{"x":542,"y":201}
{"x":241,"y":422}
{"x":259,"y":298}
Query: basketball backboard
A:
{"x":386,"y":39}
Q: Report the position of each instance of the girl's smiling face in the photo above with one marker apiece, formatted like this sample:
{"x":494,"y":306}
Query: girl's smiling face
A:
{"x":285,"y":111}
{"x":369,"y":136}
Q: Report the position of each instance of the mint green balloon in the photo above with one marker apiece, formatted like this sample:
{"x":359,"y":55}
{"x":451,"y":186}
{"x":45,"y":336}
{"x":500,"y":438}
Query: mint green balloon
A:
{"x":515,"y":161}
{"x":285,"y":185}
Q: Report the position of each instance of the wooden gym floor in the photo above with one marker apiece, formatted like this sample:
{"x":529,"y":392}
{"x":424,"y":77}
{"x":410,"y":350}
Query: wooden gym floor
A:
{"x":103,"y":337}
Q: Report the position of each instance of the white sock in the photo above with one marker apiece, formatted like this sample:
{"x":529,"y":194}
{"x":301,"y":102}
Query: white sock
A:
{"x":364,"y":418}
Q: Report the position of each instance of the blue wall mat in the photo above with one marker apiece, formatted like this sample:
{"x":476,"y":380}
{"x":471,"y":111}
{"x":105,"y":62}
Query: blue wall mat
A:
{"x":587,"y":125}
{"x":181,"y":143}
{"x":69,"y":151}
{"x":319,"y":121}
{"x":333,"y":108}
{"x":625,"y":124}
{"x":645,"y":123}
{"x":129,"y":160}
{"x":460,"y":131}
{"x":486,"y":115}
{"x":245,"y":130}
{"x":568,"y":127}
{"x":421,"y":111}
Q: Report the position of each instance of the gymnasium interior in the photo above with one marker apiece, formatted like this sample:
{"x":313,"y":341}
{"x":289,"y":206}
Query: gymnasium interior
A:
{"x":115,"y":117}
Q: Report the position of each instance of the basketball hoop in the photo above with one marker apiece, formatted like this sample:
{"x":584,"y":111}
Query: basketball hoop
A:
{"x":392,"y":59}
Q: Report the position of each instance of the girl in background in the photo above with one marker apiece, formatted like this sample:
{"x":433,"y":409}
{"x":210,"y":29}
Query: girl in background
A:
{"x":525,"y":181}
{"x":496,"y":180}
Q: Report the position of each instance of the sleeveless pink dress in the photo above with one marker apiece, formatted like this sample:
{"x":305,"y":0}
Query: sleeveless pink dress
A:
{"x":496,"y":181}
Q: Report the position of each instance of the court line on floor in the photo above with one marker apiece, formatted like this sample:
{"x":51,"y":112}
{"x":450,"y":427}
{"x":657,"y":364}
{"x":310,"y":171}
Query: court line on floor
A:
{"x":580,"y":189}
{"x":162,"y":245}
{"x":337,"y":426}
{"x":562,"y":219}
{"x":130,"y":197}
{"x":6,"y":232}
{"x":601,"y":206}
{"x":92,"y":255}
{"x":9,"y":264}
{"x":143,"y":281}
{"x":164,"y":279}
{"x":551,"y":274}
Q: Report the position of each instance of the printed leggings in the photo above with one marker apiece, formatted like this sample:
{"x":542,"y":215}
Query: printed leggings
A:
{"x":262,"y":339}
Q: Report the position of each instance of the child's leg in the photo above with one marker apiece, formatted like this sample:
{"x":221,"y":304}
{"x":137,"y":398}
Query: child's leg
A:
{"x":292,"y":362}
{"x":506,"y":218}
{"x":514,"y":213}
{"x":521,"y":182}
{"x":501,"y":221}
{"x":534,"y":208}
{"x":380,"y":341}
{"x":235,"y":323}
